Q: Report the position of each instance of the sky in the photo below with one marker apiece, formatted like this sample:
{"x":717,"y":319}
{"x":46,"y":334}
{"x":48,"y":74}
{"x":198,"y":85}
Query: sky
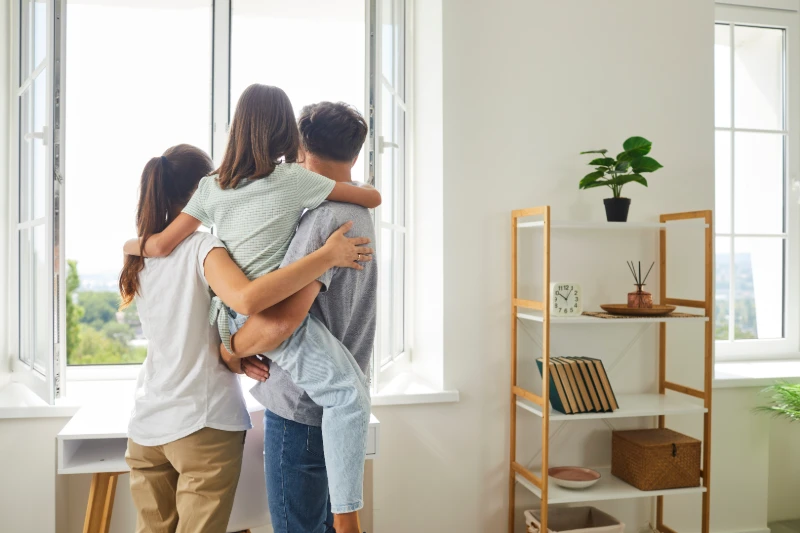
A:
{"x":139,"y":81}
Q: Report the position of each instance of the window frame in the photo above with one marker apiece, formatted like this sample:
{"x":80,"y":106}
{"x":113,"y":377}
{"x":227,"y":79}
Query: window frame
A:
{"x":789,"y":345}
{"x":52,"y":386}
{"x":45,"y":382}
{"x":384,"y":370}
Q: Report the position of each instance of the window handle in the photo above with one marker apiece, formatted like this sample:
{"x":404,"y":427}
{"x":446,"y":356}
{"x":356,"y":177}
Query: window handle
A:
{"x":37,"y":135}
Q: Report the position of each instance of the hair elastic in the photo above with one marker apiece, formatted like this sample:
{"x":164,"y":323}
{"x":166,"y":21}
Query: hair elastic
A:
{"x":163,"y":160}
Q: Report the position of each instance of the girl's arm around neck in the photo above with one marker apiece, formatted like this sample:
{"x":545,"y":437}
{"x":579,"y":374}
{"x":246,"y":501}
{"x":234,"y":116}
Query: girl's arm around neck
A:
{"x":250,"y":297}
{"x":356,"y":193}
{"x":162,"y":244}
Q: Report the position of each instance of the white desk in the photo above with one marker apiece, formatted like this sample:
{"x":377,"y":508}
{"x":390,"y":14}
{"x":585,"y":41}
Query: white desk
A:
{"x":94,"y":442}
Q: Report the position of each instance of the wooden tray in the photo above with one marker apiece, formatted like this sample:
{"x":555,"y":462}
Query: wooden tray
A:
{"x":624,"y":310}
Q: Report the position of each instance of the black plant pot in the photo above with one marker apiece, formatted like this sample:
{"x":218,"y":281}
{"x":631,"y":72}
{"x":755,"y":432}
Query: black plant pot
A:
{"x":617,"y":209}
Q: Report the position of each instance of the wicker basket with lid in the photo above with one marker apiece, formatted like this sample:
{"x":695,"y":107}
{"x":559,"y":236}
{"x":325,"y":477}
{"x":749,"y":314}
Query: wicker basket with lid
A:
{"x":655,"y":459}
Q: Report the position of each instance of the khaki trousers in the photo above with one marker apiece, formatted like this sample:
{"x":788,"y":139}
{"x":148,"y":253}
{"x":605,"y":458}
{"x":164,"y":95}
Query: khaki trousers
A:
{"x":186,"y":486}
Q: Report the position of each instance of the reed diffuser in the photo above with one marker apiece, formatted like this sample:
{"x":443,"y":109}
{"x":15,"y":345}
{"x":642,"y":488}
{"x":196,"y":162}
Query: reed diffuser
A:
{"x":639,"y":299}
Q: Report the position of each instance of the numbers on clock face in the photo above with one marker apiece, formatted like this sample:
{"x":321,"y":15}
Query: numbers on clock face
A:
{"x":565,"y":299}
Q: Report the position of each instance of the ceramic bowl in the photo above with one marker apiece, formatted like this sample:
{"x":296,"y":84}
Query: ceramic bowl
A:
{"x":573,"y":477}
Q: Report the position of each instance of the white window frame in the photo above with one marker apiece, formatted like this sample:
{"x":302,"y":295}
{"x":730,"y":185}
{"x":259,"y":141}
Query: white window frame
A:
{"x":50,"y":385}
{"x":386,"y":367}
{"x":46,"y":382}
{"x":782,"y":15}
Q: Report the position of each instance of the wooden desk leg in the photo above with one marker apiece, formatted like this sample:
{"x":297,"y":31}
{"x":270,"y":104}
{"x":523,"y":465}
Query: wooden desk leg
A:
{"x":101,"y":502}
{"x":365,"y":515}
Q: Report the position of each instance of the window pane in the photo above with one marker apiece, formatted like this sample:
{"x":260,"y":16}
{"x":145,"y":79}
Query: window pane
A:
{"x":722,"y":74}
{"x":387,"y":184}
{"x":387,"y":115}
{"x":388,"y":42}
{"x":758,"y":77}
{"x":32,"y":151}
{"x":759,"y":288}
{"x":41,"y":282}
{"x":398,"y":286}
{"x":722,"y":150}
{"x":33,"y":36}
{"x":385,"y":276}
{"x":400,"y":168}
{"x":314,"y":50}
{"x":26,"y":326}
{"x":34,"y":318}
{"x":139,"y":81}
{"x":758,"y":183}
{"x":722,"y":288}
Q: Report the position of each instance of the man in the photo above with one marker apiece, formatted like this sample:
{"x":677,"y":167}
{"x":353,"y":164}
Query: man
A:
{"x":344,"y":300}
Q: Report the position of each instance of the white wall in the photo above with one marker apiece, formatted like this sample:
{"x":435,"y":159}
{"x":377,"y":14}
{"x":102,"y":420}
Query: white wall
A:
{"x":784,"y":470}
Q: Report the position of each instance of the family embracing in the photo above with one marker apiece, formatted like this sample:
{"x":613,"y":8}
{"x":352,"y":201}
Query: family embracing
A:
{"x":282,"y":292}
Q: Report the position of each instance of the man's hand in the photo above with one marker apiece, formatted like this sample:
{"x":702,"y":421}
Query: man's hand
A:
{"x":234,"y":364}
{"x":256,"y":367}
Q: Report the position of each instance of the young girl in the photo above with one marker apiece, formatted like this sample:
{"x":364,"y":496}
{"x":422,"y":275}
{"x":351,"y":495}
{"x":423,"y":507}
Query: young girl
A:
{"x":189,"y":419}
{"x":255,"y":201}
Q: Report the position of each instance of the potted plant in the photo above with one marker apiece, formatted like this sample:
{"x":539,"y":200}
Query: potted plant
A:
{"x":614,"y":173}
{"x":785,"y":401}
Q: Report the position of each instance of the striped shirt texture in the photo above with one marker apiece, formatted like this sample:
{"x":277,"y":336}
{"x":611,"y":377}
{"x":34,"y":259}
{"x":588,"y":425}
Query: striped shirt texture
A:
{"x":256,"y":220}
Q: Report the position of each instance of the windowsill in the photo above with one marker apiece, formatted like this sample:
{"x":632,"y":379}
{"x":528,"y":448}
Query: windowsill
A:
{"x":733,"y":374}
{"x":409,"y":388}
{"x":18,"y":401}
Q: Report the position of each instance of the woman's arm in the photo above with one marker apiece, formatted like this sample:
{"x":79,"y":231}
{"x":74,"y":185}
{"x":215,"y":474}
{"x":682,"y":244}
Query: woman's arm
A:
{"x":266,"y":330}
{"x":162,"y":244}
{"x":249,"y":297}
{"x":355,"y":193}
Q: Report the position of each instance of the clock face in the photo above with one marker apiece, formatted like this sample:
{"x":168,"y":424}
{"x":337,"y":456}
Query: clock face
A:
{"x":565,"y":299}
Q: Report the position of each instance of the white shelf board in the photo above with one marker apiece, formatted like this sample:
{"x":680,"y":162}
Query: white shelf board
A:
{"x":589,"y":225}
{"x":630,"y":406}
{"x":536,"y":316}
{"x":92,"y":456}
{"x":608,"y":488}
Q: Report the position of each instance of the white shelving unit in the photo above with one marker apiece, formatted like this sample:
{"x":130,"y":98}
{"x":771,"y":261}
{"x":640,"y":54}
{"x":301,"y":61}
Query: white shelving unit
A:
{"x":608,"y":488}
{"x":657,"y":404}
{"x":630,"y":406}
{"x":539,"y":317}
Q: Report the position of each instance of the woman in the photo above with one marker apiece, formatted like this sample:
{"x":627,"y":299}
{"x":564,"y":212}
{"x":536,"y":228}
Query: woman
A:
{"x":186,"y":432}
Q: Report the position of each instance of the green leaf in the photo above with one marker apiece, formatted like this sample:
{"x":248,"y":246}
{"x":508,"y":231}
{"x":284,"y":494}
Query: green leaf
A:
{"x":623,"y":166}
{"x":603,"y":151}
{"x":645,"y":164}
{"x":627,"y":178}
{"x":590,"y":178}
{"x":637,"y":146}
{"x":603,"y":161}
{"x":605,"y":183}
{"x":624,"y":156}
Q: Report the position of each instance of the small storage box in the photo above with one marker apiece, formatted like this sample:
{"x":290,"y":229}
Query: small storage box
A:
{"x":574,"y":520}
{"x":655,"y":459}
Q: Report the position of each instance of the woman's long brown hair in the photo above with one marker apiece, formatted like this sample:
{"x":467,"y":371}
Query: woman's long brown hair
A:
{"x":166,"y":186}
{"x":263,"y":133}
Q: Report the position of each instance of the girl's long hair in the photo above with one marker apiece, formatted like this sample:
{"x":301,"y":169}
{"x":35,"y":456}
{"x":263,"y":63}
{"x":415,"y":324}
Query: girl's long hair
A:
{"x":167,"y":184}
{"x":263,"y":134}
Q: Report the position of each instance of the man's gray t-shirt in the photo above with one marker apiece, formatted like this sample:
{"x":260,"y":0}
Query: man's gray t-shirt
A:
{"x":346,"y":305}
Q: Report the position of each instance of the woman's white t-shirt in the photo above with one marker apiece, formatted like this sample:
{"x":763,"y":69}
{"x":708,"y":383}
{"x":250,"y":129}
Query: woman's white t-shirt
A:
{"x":183,"y":385}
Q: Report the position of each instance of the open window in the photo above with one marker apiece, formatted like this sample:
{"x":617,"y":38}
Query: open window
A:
{"x":35,"y":184}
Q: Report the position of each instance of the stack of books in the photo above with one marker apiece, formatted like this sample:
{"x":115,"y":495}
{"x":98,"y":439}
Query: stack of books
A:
{"x":579,"y":385}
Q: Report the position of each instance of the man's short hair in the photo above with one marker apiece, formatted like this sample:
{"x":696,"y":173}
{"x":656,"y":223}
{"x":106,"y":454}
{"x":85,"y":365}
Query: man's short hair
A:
{"x":333,"y":131}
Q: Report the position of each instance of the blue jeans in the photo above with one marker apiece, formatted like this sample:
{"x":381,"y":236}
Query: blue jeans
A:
{"x":297,"y":482}
{"x":322,"y":366}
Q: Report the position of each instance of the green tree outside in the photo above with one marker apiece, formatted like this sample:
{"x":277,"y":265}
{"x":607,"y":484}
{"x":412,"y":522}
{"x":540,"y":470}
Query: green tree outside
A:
{"x":98,"y":333}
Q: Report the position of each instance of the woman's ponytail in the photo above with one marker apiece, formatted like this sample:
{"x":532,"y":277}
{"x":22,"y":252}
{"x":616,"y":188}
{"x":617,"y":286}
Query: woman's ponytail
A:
{"x":167,"y":183}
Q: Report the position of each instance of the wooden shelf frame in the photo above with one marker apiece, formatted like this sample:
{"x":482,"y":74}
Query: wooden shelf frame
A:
{"x":540,"y":482}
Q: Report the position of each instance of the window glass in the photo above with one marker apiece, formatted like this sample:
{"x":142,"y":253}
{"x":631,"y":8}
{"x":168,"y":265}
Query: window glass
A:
{"x":312,"y":49}
{"x":138,"y":81}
